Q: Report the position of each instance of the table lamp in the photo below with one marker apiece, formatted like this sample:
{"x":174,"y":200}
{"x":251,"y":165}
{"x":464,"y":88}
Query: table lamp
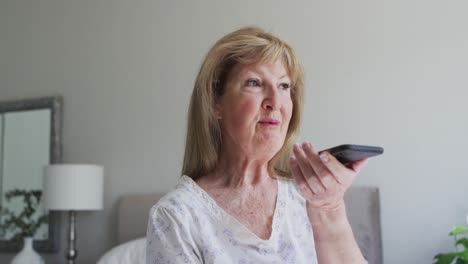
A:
{"x":73,"y":187}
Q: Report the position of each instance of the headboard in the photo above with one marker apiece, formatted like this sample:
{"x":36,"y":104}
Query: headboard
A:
{"x":362,"y":203}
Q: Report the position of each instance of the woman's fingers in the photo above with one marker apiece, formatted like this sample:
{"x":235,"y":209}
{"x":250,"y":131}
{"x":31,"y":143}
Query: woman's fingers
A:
{"x":342,"y":174}
{"x":323,"y":171}
{"x":306,"y":169}
{"x":299,"y":178}
{"x":358,"y":165}
{"x":325,"y":176}
{"x":321,"y":178}
{"x":320,"y":174}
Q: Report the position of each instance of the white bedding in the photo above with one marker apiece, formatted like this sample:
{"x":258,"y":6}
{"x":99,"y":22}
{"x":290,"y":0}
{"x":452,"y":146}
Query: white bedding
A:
{"x":131,"y":252}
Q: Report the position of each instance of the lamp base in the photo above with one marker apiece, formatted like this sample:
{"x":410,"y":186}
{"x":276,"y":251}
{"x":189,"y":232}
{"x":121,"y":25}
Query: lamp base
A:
{"x":72,"y":252}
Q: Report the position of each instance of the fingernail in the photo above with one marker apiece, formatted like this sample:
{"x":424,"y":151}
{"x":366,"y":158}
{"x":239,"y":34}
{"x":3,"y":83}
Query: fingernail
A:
{"x":306,"y":145}
{"x":324,"y":157}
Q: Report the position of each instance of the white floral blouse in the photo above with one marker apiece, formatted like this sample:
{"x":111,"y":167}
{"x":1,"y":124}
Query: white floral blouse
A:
{"x":187,"y":226}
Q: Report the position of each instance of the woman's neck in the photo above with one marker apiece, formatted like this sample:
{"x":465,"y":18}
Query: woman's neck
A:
{"x":238,"y":169}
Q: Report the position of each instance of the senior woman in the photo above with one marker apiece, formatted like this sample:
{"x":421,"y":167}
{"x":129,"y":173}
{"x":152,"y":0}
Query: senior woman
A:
{"x":248,"y":194}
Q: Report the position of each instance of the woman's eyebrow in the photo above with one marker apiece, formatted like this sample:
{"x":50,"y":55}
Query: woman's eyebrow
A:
{"x":246,"y":72}
{"x":250,"y":71}
{"x":284,"y":75}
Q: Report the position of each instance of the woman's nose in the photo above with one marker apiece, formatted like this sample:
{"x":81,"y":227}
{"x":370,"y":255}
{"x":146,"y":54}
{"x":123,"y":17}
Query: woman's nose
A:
{"x":271,"y":100}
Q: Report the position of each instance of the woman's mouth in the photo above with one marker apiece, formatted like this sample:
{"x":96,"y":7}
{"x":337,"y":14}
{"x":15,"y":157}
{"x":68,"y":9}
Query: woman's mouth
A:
{"x":269,"y":122}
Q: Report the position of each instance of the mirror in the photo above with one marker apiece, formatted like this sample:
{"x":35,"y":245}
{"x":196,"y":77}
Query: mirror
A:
{"x":30,"y":138}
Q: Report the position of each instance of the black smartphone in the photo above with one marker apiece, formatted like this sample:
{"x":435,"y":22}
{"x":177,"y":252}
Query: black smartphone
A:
{"x":348,"y":152}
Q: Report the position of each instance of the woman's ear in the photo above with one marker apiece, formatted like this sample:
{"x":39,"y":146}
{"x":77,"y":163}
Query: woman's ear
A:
{"x":217,"y":111}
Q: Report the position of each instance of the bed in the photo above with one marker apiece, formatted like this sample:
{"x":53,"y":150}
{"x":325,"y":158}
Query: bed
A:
{"x":363,"y":207}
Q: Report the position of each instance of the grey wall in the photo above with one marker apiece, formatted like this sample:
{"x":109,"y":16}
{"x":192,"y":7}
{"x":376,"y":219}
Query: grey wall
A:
{"x":391,"y":73}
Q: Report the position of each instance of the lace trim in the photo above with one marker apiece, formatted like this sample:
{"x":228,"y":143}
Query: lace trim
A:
{"x":220,"y":213}
{"x":206,"y":198}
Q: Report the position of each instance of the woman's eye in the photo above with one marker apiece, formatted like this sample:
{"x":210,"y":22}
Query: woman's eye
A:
{"x":285,"y":86}
{"x":252,"y":82}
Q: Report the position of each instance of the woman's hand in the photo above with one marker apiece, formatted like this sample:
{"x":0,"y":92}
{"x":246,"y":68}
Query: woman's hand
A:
{"x":322,"y":179}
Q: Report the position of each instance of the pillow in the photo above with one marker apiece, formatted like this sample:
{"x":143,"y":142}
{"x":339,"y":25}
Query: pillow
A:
{"x":130,"y":252}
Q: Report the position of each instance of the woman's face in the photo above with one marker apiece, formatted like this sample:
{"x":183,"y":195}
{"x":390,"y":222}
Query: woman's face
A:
{"x":255,"y":109}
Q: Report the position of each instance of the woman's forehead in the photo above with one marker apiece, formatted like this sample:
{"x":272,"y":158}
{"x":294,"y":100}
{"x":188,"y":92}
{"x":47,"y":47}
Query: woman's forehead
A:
{"x":275,"y":69}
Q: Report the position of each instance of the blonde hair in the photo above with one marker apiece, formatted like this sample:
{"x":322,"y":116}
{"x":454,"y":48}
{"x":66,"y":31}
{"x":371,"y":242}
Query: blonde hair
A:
{"x":245,"y":46}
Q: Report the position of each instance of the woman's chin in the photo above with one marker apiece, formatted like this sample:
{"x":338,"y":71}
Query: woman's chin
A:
{"x":271,"y":139}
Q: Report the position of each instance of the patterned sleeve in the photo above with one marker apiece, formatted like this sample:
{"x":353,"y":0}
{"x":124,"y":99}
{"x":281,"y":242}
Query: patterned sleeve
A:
{"x":167,"y":240}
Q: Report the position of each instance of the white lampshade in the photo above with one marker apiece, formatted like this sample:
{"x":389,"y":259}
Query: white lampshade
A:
{"x":73,"y":187}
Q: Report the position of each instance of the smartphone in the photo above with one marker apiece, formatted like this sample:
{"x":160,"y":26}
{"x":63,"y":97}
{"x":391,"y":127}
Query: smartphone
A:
{"x":348,"y":152}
